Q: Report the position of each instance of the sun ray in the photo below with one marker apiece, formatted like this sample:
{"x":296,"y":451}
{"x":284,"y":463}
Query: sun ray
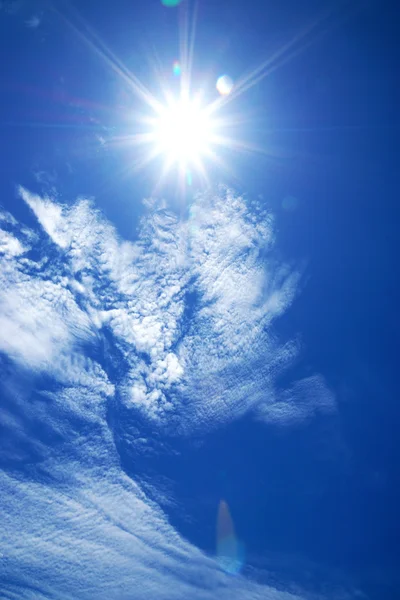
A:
{"x":180,"y":126}
{"x":187,"y":41}
{"x":296,"y":45}
{"x":94,"y":42}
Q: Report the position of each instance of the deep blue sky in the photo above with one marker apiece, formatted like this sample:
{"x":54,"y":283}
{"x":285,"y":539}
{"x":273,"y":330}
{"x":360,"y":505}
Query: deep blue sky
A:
{"x":315,"y":502}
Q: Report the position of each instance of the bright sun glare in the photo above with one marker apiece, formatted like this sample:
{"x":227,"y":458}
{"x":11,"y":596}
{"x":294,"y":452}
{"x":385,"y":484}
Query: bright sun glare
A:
{"x":183,"y":132}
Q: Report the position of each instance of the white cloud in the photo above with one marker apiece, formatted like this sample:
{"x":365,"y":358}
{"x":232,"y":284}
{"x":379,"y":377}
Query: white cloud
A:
{"x":102,"y":539}
{"x":218,"y":347}
{"x":178,"y":322}
{"x":9,"y":245}
{"x":38,"y":321}
{"x":222,"y":256}
{"x":7,"y":217}
{"x":49,"y":215}
{"x":92,"y":532}
{"x":299,"y":402}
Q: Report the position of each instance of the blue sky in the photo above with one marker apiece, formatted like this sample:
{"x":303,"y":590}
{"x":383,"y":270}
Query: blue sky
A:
{"x":199,"y":381}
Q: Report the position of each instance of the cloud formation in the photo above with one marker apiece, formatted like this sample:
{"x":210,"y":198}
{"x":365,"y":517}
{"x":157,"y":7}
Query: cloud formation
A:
{"x":175,"y":327}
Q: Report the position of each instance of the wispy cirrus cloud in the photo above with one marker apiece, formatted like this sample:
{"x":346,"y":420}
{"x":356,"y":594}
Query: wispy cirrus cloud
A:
{"x":175,"y":327}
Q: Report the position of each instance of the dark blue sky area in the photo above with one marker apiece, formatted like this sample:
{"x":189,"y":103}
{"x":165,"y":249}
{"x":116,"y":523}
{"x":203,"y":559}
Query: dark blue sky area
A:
{"x":316,"y":502}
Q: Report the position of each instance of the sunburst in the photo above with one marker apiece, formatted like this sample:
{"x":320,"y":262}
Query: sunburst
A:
{"x":186,"y":132}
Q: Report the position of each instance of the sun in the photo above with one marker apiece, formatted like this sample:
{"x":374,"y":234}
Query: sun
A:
{"x":183,"y":132}
{"x":181,"y":126}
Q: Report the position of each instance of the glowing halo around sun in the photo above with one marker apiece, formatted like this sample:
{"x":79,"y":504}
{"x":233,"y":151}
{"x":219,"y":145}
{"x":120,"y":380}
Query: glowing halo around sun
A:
{"x":186,"y":134}
{"x":183,"y":132}
{"x":193,"y":132}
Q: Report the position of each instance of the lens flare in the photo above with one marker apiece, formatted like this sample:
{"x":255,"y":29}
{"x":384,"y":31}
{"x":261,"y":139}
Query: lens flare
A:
{"x":176,"y":69}
{"x":158,"y":126}
{"x":171,"y":3}
{"x":224,"y":85}
{"x":229,"y":549}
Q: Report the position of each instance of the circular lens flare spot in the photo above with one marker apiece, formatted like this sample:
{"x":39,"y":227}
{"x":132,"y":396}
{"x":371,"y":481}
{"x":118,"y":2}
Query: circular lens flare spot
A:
{"x":176,"y":69}
{"x":224,"y":85}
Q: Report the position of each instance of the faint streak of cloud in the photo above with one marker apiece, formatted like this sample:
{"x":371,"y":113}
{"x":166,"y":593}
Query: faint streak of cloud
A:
{"x":301,"y":401}
{"x":33,"y":22}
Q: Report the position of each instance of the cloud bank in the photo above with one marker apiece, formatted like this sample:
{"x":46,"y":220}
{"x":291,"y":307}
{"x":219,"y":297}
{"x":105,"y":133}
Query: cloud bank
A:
{"x":175,"y":328}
